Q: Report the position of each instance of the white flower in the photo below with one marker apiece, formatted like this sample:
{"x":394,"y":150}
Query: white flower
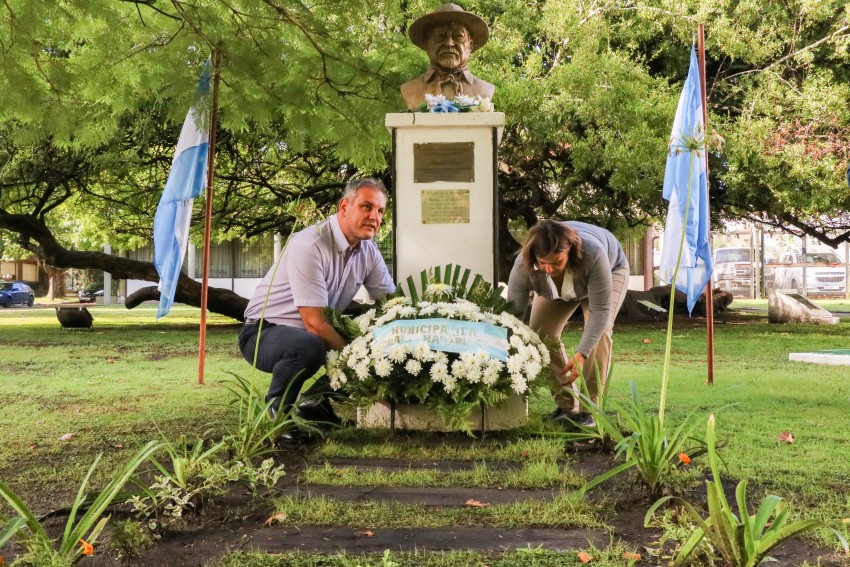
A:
{"x":447,"y":310}
{"x":439,"y":372}
{"x":333,"y":359}
{"x":485,"y":105}
{"x":518,"y":383}
{"x":460,"y":370}
{"x":362,"y":370}
{"x":490,"y":374}
{"x":422,"y":352}
{"x":383,"y":367}
{"x":395,"y":302}
{"x":429,"y":309}
{"x":434,"y":100}
{"x":406,"y":311}
{"x":360,"y":343}
{"x":464,"y":100}
{"x":413,"y":367}
{"x":532,"y":369}
{"x":397,"y":353}
{"x":515,"y":363}
{"x":439,"y":357}
{"x":438,"y":291}
{"x":544,"y":353}
{"x":363,"y":321}
{"x":338,"y":378}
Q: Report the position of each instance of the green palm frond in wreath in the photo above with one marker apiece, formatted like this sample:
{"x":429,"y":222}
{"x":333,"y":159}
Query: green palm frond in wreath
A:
{"x":478,"y":290}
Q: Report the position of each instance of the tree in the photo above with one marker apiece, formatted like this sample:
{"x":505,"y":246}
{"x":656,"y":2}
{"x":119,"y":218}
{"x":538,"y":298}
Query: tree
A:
{"x":589,"y":89}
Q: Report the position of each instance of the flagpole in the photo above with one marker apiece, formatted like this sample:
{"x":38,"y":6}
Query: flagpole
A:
{"x":202,"y":346}
{"x":709,"y":295}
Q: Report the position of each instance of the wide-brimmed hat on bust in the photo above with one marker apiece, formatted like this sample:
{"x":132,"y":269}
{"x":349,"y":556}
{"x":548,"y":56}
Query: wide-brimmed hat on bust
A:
{"x":445,"y":14}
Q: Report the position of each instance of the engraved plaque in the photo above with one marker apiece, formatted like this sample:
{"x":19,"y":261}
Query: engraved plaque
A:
{"x":444,"y":162}
{"x":447,"y":206}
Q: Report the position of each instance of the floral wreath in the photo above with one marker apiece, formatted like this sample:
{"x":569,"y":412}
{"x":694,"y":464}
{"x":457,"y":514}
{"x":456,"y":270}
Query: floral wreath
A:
{"x":449,"y":383}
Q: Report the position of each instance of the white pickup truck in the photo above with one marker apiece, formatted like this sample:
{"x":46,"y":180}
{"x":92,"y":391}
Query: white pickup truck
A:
{"x":734,"y":270}
{"x":825,"y":273}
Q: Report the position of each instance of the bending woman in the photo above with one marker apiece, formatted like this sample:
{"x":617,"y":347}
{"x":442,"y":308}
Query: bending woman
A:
{"x":567,"y":264}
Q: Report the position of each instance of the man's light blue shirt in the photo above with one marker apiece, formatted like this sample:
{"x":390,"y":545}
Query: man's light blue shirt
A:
{"x":314,"y":273}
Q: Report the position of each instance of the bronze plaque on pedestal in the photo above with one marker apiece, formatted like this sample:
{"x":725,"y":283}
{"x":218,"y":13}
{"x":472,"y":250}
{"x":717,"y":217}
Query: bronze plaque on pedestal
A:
{"x":444,"y":162}
{"x":448,"y":206}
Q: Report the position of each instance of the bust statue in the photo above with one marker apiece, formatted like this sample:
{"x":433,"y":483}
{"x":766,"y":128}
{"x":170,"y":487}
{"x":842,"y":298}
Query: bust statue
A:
{"x":449,"y":35}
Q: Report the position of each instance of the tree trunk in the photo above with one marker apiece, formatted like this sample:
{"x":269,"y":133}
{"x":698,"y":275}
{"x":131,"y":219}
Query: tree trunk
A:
{"x":56,"y":285}
{"x":634,"y":311}
{"x":37,"y":238}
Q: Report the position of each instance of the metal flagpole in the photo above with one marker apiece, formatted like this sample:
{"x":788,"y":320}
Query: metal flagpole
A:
{"x":202,"y":347}
{"x":709,"y":295}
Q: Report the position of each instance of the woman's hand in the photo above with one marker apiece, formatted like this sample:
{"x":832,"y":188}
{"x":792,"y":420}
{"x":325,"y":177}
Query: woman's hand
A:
{"x":571,"y":369}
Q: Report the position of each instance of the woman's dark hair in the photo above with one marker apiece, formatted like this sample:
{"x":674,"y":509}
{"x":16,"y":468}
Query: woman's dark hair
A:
{"x":548,"y":237}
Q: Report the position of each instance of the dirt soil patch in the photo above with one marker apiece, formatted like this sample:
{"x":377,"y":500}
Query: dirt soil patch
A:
{"x":237,"y":522}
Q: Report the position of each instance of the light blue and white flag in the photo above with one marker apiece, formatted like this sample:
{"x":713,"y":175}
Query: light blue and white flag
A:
{"x":185,"y":182}
{"x":686,"y":189}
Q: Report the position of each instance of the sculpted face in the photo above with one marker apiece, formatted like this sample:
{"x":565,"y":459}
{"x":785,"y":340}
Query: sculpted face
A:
{"x":449,"y":46}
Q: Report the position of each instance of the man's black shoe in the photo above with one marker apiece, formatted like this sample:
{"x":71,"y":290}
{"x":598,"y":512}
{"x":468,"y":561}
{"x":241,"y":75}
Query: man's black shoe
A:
{"x":561,"y":415}
{"x":314,"y":410}
{"x":296,"y":437}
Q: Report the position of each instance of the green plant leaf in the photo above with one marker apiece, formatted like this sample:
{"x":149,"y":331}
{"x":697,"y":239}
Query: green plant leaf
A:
{"x":105,"y":498}
{"x":24,"y":512}
{"x":11,"y":528}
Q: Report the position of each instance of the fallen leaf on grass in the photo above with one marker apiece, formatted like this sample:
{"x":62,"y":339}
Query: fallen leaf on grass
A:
{"x":67,"y":437}
{"x":110,"y":361}
{"x":476,"y":504}
{"x":30,"y":447}
{"x":525,"y":454}
{"x":584,"y":557}
{"x":845,"y":521}
{"x":631,"y":556}
{"x":367,"y":533}
{"x":117,"y":446}
{"x":647,"y":341}
{"x":276,"y":519}
{"x":786,"y":437}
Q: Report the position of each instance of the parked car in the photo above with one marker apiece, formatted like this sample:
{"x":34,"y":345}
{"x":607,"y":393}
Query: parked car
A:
{"x":16,"y":293}
{"x":90,"y":293}
{"x":825,"y":273}
{"x":734,"y":270}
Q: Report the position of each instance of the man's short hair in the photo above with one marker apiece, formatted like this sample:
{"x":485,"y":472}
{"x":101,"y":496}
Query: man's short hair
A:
{"x":355,"y":184}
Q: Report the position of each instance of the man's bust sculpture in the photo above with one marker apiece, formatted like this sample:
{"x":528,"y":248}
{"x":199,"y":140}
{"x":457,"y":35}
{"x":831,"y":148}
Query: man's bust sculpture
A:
{"x":449,"y":35}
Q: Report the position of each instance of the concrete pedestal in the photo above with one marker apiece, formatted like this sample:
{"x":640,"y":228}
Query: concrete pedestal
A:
{"x":445,"y":201}
{"x":788,"y":306}
{"x":511,"y":413}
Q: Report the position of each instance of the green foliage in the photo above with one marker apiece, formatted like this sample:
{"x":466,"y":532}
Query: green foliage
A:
{"x":741,"y":540}
{"x":255,"y":431}
{"x":646,"y":444}
{"x":41,"y":549}
{"x":129,"y":538}
{"x":456,"y":277}
{"x":197,"y":473}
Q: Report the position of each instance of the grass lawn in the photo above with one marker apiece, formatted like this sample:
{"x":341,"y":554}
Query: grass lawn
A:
{"x":132,"y":379}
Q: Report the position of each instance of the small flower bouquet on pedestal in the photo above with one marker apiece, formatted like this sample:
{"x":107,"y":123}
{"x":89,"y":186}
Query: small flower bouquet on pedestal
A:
{"x":443,"y":352}
{"x":461,"y":103}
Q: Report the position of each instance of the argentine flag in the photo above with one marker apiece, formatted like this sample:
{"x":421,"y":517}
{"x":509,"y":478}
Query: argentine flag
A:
{"x":686,"y":189}
{"x":185,"y":182}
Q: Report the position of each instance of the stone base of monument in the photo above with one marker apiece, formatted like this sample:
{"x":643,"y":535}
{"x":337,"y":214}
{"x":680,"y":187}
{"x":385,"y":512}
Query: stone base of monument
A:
{"x":788,"y":306}
{"x":835,"y":357}
{"x":511,"y":413}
